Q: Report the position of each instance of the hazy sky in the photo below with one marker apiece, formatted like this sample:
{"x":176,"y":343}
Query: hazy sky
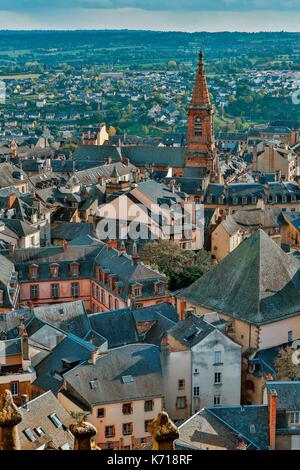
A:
{"x":180,"y":15}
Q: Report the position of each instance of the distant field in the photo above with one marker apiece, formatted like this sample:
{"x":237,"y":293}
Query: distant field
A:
{"x":19,"y":76}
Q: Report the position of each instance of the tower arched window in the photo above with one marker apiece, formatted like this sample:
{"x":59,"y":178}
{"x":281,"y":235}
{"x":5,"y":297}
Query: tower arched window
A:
{"x":198,"y":126}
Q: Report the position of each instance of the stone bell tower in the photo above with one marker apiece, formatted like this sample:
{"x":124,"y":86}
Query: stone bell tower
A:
{"x":201,"y":149}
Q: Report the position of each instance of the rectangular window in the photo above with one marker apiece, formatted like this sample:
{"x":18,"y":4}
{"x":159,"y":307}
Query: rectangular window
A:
{"x":109,"y":431}
{"x":126,"y":408}
{"x":14,"y":388}
{"x":127,"y":429}
{"x":102,"y":297}
{"x":100,"y":413}
{"x":181,"y":403}
{"x":75,"y":289}
{"x":148,"y":405}
{"x":137,"y":291}
{"x":116,"y":304}
{"x":196,"y":391}
{"x":147,"y":424}
{"x":290,"y":336}
{"x":217,"y":400}
{"x":294,"y":417}
{"x":181,"y":384}
{"x":54,"y":291}
{"x":217,"y":357}
{"x":110,"y":302}
{"x":218,"y":377}
{"x":55,"y":420}
{"x":34,"y":292}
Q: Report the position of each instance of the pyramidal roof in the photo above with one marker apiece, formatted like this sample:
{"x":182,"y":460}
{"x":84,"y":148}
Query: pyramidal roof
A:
{"x":257,"y":283}
{"x":200,"y":93}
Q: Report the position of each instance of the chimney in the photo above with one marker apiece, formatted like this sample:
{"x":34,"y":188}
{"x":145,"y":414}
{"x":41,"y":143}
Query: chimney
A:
{"x":65,"y":245}
{"x":112,"y":244}
{"x":125,"y":161}
{"x":11,"y":200}
{"x":11,"y":248}
{"x":272,"y":418}
{"x":135,"y":257}
{"x":24,"y":399}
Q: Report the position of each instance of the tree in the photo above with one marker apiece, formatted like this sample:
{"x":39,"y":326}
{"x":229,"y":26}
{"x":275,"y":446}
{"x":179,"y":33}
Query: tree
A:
{"x":286,"y":369}
{"x":182,"y":267}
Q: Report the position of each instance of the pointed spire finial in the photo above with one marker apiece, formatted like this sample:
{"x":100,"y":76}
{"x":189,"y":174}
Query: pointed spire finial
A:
{"x":200,"y":93}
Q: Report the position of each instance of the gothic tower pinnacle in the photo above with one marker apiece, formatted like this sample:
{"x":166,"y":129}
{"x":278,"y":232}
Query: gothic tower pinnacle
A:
{"x":201,"y":151}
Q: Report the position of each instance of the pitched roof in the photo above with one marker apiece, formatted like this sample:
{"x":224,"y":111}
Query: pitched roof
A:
{"x":139,"y":361}
{"x":257,"y":283}
{"x":36,"y":413}
{"x":117,"y":326}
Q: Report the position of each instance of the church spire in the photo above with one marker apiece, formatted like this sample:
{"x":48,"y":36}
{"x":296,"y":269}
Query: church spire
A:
{"x":200,"y":94}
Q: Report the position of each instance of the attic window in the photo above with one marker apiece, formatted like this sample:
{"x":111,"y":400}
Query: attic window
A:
{"x":284,"y":198}
{"x":29,"y":434}
{"x":74,"y":268}
{"x":61,"y":311}
{"x":55,"y":420}
{"x":127,"y":379}
{"x":54,"y":270}
{"x":252,"y":428}
{"x":33,"y":272}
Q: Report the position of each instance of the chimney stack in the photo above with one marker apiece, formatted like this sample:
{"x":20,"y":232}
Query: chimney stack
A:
{"x":272,"y":418}
{"x":65,"y":245}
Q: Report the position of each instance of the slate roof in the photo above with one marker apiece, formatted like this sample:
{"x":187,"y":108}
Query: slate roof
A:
{"x":253,"y":219}
{"x":98,"y":153}
{"x":92,"y":175}
{"x":288,"y":394}
{"x":239,"y":420}
{"x":257,"y":283}
{"x":157,"y":156}
{"x":20,"y":228}
{"x":36,"y":414}
{"x":71,"y":230}
{"x":8,"y":175}
{"x":70,"y":317}
{"x":117,"y":326}
{"x":204,"y":430}
{"x":6,"y":270}
{"x":191,"y":330}
{"x":140,"y":361}
{"x":11,"y":347}
{"x":51,"y":369}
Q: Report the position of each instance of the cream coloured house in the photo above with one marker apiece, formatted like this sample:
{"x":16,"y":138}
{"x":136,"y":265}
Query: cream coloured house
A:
{"x":275,"y":157}
{"x":121,"y":391}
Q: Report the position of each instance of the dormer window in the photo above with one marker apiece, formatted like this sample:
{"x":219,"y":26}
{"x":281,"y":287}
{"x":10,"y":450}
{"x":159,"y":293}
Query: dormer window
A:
{"x":33,"y":271}
{"x":235,"y":201}
{"x":54,"y":270}
{"x":244,"y":200}
{"x":198,"y":126}
{"x":209,"y":199}
{"x":159,"y":288}
{"x":137,"y":290}
{"x":284,"y":198}
{"x":293,"y":198}
{"x":74,"y":269}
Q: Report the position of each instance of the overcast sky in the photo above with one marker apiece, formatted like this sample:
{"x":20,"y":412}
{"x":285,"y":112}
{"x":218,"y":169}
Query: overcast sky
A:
{"x":178,"y":15}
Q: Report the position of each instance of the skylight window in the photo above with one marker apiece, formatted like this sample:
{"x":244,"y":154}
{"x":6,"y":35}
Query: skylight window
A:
{"x":29,"y":434}
{"x":55,"y":420}
{"x":127,"y":379}
{"x":39,"y":431}
{"x":93,"y":384}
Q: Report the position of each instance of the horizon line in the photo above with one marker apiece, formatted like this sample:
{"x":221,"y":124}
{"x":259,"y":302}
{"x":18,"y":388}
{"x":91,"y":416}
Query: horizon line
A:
{"x":143,"y":30}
